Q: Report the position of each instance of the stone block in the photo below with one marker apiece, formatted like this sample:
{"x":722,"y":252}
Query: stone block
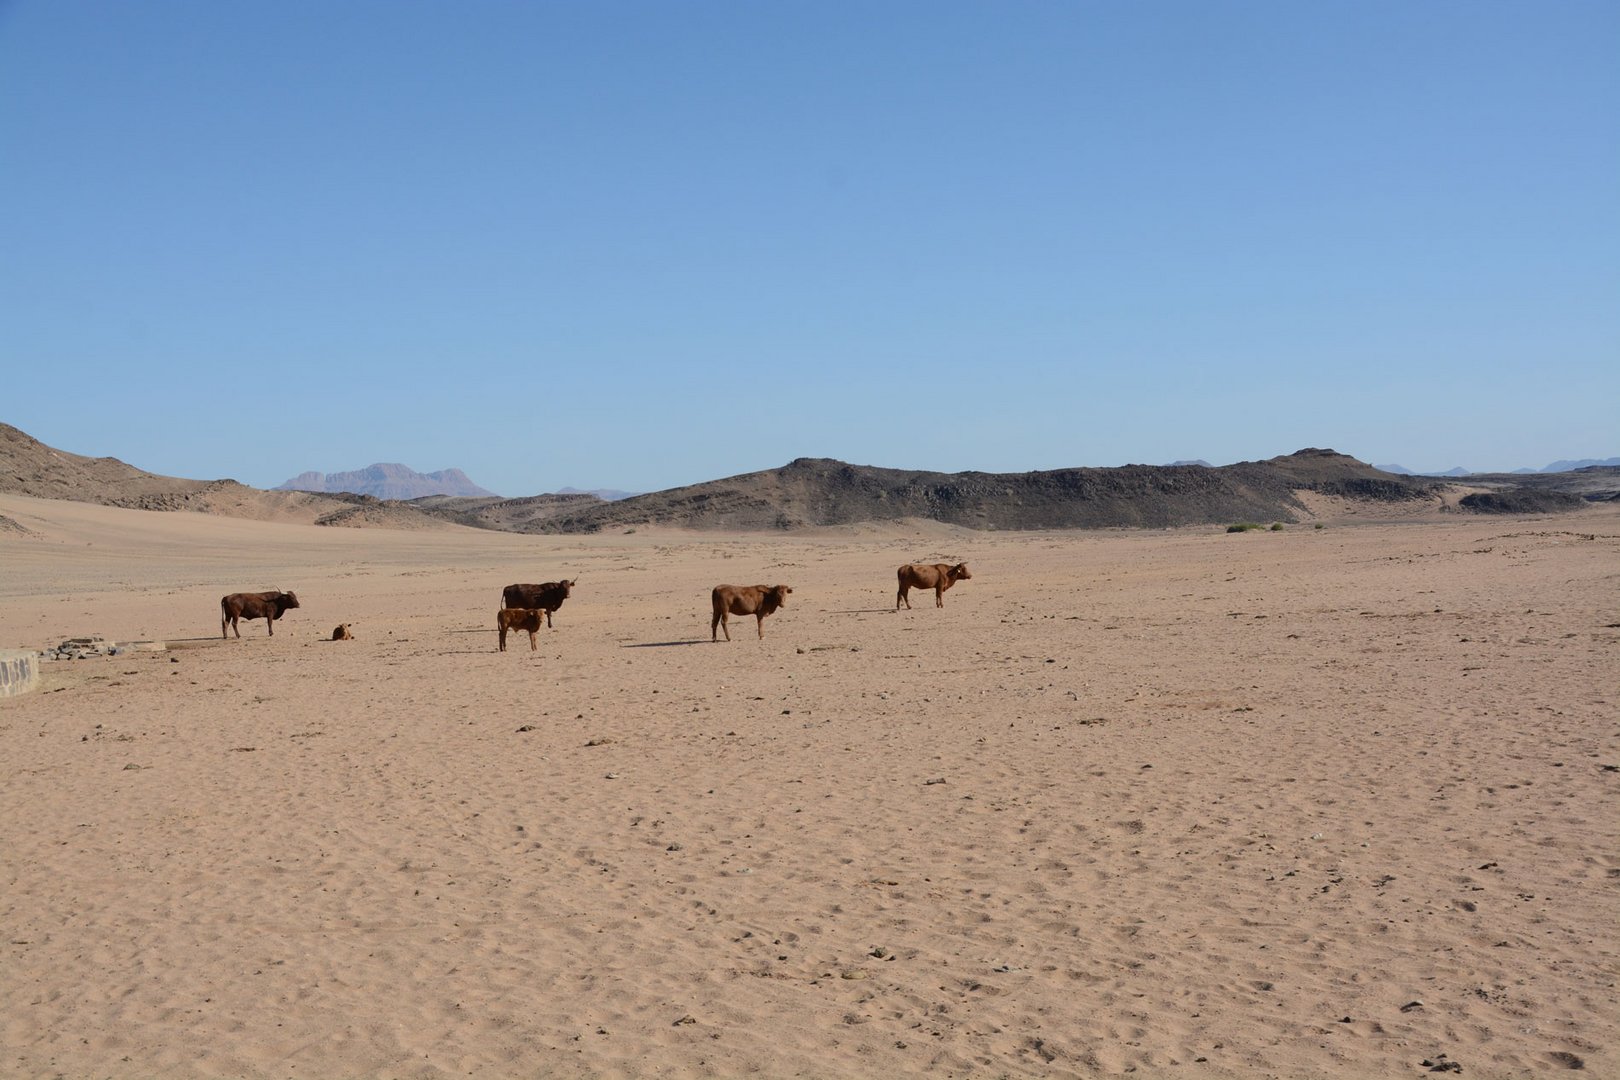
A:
{"x":19,"y":672}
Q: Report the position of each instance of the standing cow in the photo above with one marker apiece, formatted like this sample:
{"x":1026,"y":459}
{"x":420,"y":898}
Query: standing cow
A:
{"x":546,"y":597}
{"x":269,"y":606}
{"x":936,"y":576}
{"x":518,"y":619}
{"x":756,"y":600}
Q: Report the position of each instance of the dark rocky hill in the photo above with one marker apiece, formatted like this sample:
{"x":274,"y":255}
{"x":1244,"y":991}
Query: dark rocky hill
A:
{"x":507,"y":515}
{"x":1546,"y":492}
{"x":1521,"y":500}
{"x":819,"y":491}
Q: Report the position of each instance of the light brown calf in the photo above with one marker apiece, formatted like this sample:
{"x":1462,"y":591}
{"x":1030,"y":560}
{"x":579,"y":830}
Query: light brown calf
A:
{"x":529,"y":619}
{"x":756,"y":600}
{"x":342,"y":633}
{"x":936,"y":576}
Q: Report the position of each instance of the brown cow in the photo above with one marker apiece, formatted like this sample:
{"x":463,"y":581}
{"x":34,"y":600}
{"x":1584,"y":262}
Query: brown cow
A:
{"x":936,"y":576}
{"x":341,"y":632}
{"x":547,"y":597}
{"x":269,"y":606}
{"x":756,"y":600}
{"x":519,"y":619}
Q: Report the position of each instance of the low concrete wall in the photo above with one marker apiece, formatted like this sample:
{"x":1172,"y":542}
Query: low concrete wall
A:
{"x":19,"y":672}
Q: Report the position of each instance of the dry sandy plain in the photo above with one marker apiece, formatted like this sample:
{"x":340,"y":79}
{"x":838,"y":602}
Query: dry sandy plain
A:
{"x":1321,"y":802}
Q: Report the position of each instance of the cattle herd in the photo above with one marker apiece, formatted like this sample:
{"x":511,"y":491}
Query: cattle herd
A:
{"x":525,"y":607}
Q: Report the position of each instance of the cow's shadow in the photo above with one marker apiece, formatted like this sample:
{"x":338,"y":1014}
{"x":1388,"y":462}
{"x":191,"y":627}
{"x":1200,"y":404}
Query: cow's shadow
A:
{"x":662,"y":644}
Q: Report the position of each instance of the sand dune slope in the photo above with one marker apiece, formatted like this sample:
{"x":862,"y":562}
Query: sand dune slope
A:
{"x":1300,"y":804}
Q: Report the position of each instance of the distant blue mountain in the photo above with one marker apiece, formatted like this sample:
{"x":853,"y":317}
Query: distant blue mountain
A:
{"x":1555,"y":467}
{"x":1402,"y":470}
{"x":388,"y":481}
{"x":1194,"y":461}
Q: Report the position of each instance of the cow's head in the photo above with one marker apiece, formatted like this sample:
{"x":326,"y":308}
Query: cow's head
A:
{"x":567,"y":587}
{"x":959,"y":572}
{"x":777,"y":597}
{"x":287,"y":600}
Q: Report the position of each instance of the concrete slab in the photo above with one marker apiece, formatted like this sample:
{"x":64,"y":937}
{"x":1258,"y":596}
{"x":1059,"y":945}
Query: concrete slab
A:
{"x":19,"y":672}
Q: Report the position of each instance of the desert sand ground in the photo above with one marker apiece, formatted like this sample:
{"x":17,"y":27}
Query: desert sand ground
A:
{"x":1318,"y":802}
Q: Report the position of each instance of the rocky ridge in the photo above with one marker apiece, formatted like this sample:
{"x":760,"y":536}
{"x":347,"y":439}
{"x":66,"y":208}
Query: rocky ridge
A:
{"x":818,"y":492}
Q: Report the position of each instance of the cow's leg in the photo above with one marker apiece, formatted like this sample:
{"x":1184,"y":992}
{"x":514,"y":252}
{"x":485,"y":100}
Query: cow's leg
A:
{"x":502,"y":631}
{"x":223,"y":619}
{"x":939,"y":596}
{"x":761,"y":625}
{"x":532,"y":644}
{"x":721,"y":624}
{"x":270,"y":624}
{"x":901,"y":595}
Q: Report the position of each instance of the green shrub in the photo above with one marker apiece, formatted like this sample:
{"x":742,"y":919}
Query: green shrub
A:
{"x":1276,"y":526}
{"x":1244,"y":526}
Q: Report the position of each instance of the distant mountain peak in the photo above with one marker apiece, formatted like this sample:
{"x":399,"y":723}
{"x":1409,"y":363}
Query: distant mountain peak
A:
{"x":1583,"y":463}
{"x":388,"y":480}
{"x":1402,"y":470}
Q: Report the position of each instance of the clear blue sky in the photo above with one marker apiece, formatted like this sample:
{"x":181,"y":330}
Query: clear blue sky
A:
{"x":645,"y":244}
